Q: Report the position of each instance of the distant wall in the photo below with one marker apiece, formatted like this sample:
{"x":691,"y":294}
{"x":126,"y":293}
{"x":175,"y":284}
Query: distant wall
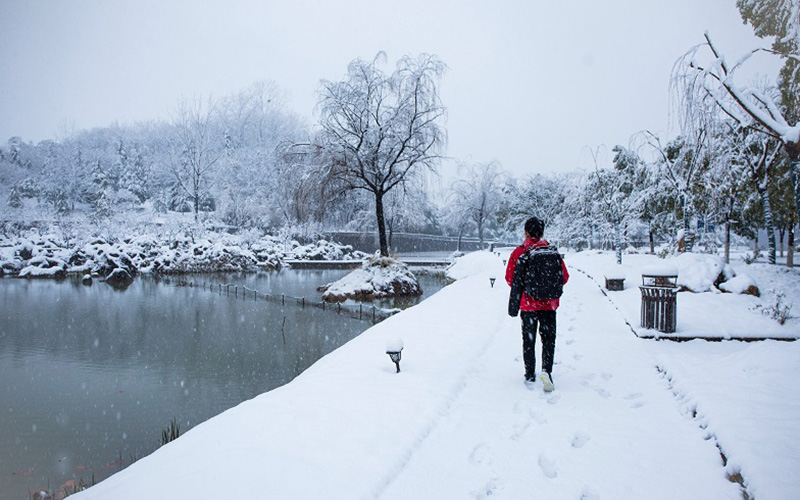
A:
{"x":410,"y":242}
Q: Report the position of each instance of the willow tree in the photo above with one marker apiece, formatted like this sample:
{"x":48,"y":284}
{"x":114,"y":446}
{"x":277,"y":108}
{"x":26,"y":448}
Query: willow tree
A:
{"x":380,"y":129}
{"x":704,"y":75}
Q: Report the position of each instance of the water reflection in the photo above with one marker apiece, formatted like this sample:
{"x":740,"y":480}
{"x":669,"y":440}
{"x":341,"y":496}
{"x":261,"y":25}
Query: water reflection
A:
{"x":91,"y":375}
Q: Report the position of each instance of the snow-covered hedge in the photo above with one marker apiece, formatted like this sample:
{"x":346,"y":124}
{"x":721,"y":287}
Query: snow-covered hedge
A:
{"x":327,"y":250}
{"x":50,"y":256}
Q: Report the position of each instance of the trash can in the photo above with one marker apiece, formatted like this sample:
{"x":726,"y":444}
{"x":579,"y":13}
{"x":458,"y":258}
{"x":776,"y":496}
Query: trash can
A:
{"x":659,"y":300}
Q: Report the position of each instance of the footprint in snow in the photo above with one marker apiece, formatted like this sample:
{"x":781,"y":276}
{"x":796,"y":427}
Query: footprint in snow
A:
{"x":580,"y":438}
{"x":553,"y":398}
{"x":602,"y":392}
{"x":635,"y":399}
{"x":519,"y":429}
{"x":570,"y":328}
{"x":577,"y":356}
{"x":479,"y":454}
{"x":548,"y":466}
{"x":538,"y":417}
{"x":588,"y":494}
{"x":607,"y":376}
{"x":569,"y":341}
{"x":492,"y":487}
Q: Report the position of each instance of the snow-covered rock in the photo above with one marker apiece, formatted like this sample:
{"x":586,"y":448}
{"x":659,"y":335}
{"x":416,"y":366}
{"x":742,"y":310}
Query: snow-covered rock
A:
{"x":742,"y":284}
{"x":44,"y":267}
{"x":378,"y":277}
{"x":119,"y":278}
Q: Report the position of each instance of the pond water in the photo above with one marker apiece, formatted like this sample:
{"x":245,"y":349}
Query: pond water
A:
{"x":91,"y":376}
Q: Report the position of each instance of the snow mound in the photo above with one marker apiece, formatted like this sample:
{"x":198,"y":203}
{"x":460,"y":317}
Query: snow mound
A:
{"x":742,"y":284}
{"x":475,"y":263}
{"x":379,"y":277}
{"x":701,"y":272}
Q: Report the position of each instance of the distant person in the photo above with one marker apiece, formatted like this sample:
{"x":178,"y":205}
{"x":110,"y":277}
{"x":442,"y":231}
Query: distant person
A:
{"x":537,"y":274}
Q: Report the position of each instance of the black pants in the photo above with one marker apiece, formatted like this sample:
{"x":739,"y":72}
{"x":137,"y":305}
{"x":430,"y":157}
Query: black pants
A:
{"x":546,"y":323}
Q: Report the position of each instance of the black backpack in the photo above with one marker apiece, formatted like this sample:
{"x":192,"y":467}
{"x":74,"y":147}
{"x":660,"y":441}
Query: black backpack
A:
{"x":544,"y":276}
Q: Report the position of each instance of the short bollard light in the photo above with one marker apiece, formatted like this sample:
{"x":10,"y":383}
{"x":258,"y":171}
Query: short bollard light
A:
{"x":491,"y":281}
{"x":394,"y":349}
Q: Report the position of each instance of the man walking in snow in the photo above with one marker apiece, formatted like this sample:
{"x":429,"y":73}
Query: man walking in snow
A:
{"x":536,"y":274}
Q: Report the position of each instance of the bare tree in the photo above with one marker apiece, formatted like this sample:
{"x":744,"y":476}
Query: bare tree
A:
{"x":380,"y":129}
{"x":682,"y":162}
{"x":477,"y":196}
{"x":197,"y":149}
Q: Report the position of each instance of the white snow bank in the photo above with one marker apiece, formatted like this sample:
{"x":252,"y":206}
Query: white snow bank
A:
{"x":475,"y":263}
{"x":746,"y":397}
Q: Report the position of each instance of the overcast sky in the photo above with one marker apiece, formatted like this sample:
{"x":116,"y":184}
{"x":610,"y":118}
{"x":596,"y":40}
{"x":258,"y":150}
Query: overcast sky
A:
{"x":531,"y":84}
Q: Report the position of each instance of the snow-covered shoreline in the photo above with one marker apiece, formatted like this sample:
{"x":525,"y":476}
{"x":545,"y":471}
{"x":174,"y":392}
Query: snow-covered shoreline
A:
{"x":35,"y":255}
{"x":458,"y":421}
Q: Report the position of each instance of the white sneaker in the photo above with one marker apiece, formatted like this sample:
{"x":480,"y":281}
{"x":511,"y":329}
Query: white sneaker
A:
{"x":547,"y":382}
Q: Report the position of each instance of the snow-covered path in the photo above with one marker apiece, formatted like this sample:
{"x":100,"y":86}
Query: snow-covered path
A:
{"x":611,"y":429}
{"x":458,"y":422}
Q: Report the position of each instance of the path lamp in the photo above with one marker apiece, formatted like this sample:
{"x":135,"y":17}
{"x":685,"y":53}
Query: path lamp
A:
{"x":394,"y":349}
{"x":491,"y":281}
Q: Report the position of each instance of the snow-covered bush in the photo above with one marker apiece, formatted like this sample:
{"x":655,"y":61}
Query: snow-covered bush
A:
{"x":701,"y":272}
{"x":327,"y":250}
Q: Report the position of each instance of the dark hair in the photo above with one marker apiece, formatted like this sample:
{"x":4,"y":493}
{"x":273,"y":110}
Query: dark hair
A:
{"x":534,"y":227}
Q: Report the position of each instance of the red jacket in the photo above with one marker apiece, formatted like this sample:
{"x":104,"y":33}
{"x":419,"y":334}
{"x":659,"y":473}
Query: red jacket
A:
{"x":527,"y":303}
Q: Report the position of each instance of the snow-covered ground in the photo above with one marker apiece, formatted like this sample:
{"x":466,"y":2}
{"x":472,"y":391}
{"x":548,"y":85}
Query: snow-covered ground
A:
{"x":629,"y":419}
{"x":707,"y":312}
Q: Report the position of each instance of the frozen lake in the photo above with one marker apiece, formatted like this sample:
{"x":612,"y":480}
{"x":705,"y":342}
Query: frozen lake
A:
{"x":91,"y":376}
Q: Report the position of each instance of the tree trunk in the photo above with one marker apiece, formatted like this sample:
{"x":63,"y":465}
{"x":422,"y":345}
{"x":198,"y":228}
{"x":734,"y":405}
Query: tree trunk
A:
{"x":688,"y":238}
{"x":768,"y":223}
{"x":728,"y":241}
{"x":790,"y":247}
{"x":384,"y":247}
{"x":618,"y":242}
{"x":781,"y":234}
{"x":794,"y":170}
{"x":652,"y":241}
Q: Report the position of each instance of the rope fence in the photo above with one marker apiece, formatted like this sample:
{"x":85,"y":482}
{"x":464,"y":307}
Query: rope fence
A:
{"x":356,"y":311}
